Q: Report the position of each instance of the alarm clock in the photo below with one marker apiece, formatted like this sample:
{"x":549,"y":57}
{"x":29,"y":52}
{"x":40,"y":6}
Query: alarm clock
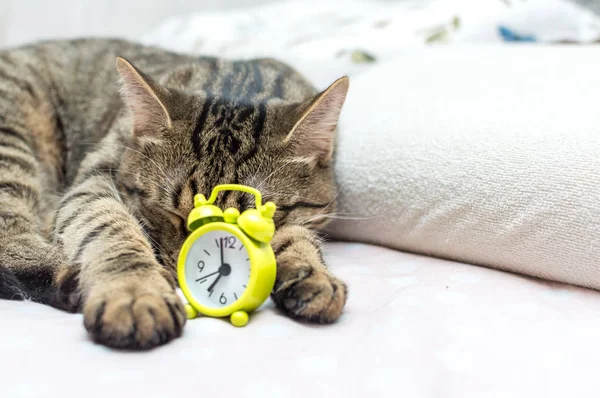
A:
{"x":226,"y":266}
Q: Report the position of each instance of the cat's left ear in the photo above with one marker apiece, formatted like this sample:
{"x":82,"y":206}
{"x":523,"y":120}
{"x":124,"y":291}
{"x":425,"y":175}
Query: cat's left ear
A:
{"x":314,"y":133}
{"x":143,"y":97}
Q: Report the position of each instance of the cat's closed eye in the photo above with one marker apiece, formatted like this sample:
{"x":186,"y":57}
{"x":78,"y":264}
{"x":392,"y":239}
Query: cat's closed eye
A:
{"x":174,"y":215}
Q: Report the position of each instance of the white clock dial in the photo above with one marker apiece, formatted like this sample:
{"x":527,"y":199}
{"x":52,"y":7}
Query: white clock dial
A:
{"x":217,"y":269}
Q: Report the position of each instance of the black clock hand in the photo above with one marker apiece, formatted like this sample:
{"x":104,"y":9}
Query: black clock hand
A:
{"x":221,"y":244}
{"x":224,"y":270}
{"x":210,"y":288}
{"x":206,"y":276}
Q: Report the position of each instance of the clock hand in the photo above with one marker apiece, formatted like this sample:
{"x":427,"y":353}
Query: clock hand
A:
{"x":224,"y":270}
{"x":210,"y":288}
{"x":221,"y":244}
{"x":206,"y":276}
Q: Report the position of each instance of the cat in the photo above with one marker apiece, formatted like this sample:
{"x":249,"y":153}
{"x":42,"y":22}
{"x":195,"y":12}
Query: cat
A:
{"x":104,"y":143}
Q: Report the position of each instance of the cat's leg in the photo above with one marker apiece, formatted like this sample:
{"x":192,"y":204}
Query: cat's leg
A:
{"x":305,"y":289}
{"x":31,"y":267}
{"x":129,"y":298}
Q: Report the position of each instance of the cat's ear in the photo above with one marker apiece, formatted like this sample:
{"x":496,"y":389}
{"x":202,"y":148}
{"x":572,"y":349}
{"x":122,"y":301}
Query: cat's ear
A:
{"x":143,"y":97}
{"x":313,"y":135}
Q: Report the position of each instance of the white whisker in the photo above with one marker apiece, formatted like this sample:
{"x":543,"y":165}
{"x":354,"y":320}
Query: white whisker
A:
{"x":275,"y":171}
{"x":337,"y":216}
{"x":330,"y":202}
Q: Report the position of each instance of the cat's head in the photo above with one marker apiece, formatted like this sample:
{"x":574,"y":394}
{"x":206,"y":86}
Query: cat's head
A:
{"x":239,"y":128}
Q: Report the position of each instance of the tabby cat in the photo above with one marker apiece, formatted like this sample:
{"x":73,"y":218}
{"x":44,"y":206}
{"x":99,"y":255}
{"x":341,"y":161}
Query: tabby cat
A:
{"x":96,"y":182}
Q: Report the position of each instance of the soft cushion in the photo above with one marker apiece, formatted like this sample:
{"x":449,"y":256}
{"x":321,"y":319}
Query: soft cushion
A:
{"x":489,"y":156}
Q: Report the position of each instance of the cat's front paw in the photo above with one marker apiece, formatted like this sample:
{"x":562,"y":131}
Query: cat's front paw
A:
{"x":139,"y":314}
{"x":313,"y":295}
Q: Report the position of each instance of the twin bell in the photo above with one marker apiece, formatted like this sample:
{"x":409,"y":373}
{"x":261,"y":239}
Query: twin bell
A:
{"x":256,"y":223}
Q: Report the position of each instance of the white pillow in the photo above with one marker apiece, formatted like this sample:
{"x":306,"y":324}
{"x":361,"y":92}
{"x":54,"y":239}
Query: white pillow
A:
{"x":484,"y":155}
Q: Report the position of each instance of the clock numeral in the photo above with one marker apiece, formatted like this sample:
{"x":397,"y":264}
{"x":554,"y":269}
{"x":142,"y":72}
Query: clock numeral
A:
{"x":230,"y":242}
{"x":227,"y":241}
{"x":223,"y":299}
{"x":201,"y":266}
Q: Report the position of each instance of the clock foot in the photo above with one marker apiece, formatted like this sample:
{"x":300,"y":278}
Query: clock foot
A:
{"x":190,"y":311}
{"x":239,"y":318}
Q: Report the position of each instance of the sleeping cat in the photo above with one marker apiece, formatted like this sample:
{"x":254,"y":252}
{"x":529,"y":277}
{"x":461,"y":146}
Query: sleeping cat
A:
{"x":96,"y":184}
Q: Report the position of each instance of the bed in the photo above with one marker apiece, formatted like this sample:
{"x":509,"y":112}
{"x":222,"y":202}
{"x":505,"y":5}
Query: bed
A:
{"x":414,"y":326}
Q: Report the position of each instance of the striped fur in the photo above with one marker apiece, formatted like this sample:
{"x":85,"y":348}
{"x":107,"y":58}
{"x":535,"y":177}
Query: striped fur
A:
{"x":96,"y":182}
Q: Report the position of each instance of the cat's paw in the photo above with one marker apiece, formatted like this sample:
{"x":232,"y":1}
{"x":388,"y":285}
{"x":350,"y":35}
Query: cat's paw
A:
{"x":314,"y":295}
{"x":141,"y":314}
{"x":65,"y":294}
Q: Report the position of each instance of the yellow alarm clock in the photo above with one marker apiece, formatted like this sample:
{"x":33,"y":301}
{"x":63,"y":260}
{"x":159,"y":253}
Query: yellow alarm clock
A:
{"x":226,"y":266}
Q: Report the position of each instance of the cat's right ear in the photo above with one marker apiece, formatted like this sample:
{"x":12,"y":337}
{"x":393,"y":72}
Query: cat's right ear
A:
{"x":143,"y":97}
{"x":313,"y":135}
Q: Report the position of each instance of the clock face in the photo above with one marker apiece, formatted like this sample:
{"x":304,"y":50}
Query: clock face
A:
{"x":217,"y":269}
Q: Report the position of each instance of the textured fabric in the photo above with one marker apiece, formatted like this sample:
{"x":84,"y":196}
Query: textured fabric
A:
{"x":413,"y":327}
{"x":483,"y":155}
{"x":326,"y":39}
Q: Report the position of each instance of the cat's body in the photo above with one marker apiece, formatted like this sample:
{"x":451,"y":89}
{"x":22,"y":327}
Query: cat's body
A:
{"x":95,"y":185}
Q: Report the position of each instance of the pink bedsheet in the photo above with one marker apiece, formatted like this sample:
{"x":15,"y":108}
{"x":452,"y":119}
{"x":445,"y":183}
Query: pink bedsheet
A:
{"x":414,"y":327}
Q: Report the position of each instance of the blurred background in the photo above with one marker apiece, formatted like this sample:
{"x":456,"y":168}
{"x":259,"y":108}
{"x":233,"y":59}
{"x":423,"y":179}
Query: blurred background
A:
{"x":321,"y":38}
{"x":22,"y":21}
